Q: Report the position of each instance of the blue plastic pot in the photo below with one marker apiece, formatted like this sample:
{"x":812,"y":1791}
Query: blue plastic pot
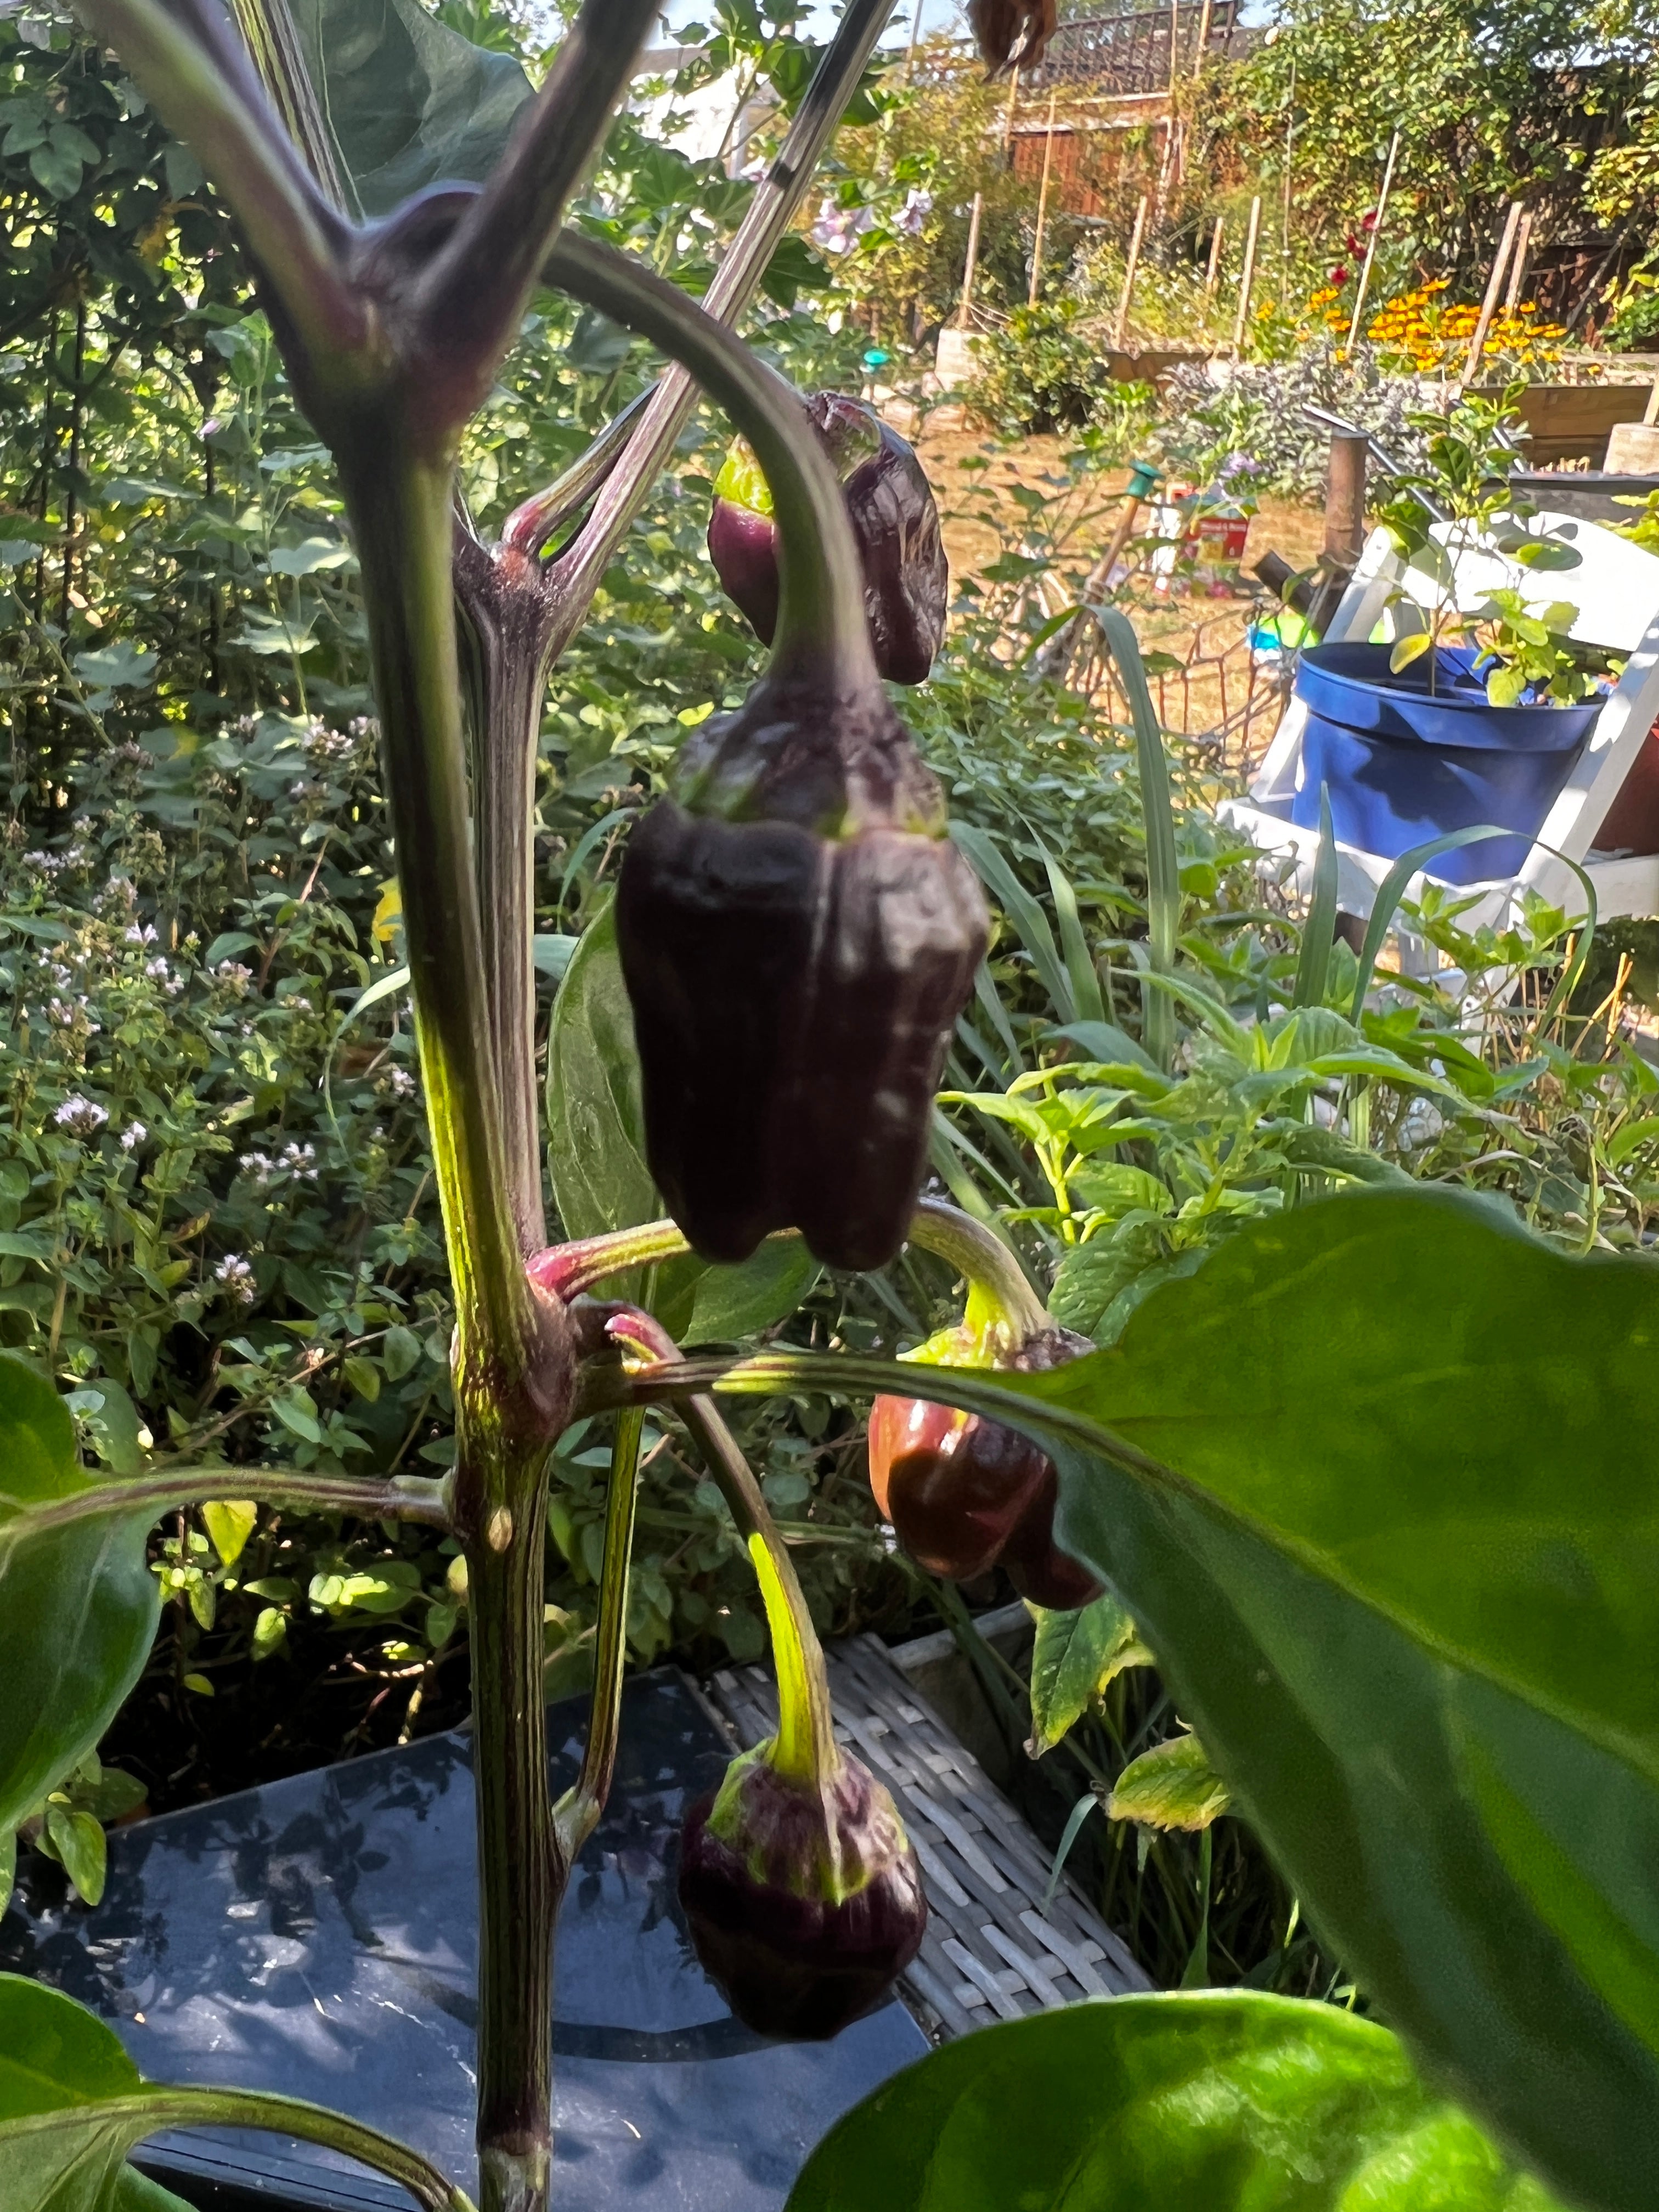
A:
{"x":1404,"y":765}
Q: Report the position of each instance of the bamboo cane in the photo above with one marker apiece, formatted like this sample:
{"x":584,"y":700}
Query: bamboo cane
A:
{"x":1043,"y":205}
{"x":1370,"y":243}
{"x":1213,"y":273}
{"x":1518,"y":263}
{"x":962,"y":311}
{"x":1203,"y":40}
{"x":1489,"y":305}
{"x":1248,"y":278}
{"x":1119,"y":328}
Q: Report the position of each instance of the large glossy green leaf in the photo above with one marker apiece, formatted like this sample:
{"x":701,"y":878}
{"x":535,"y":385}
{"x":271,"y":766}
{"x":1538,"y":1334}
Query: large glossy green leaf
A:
{"x":412,"y":102}
{"x":78,"y":1604}
{"x":1404,"y":1589}
{"x":596,"y":1161}
{"x":72,"y":2105}
{"x":1379,"y":1482}
{"x":65,"y":2127}
{"x":1216,"y":2102}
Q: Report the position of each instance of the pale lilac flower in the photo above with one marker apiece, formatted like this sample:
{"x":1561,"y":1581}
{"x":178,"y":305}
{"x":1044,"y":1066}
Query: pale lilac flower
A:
{"x":235,"y":1278}
{"x":82,"y":1117}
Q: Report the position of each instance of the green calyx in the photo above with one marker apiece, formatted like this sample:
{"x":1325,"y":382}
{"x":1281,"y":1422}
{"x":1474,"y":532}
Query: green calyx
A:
{"x":1003,"y":1312}
{"x":820,"y":1842}
{"x":742,"y":482}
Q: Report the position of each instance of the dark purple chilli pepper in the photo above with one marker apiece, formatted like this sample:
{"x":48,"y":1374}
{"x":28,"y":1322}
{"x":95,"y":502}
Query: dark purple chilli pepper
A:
{"x":895,"y":521}
{"x":797,"y":936}
{"x":803,"y":1897}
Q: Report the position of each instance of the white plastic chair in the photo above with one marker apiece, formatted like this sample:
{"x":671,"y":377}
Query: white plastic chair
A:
{"x":1615,"y":589}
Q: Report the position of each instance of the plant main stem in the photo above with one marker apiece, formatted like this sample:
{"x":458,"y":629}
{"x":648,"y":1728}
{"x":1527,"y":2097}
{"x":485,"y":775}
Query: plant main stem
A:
{"x":522,"y":1868}
{"x":513,"y":1365}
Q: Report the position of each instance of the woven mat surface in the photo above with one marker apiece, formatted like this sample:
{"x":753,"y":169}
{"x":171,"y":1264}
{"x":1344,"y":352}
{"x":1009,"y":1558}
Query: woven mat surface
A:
{"x":990,"y":1952}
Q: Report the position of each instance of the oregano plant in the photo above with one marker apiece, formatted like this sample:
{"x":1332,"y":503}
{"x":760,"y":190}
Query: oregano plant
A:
{"x":1376,"y":1481}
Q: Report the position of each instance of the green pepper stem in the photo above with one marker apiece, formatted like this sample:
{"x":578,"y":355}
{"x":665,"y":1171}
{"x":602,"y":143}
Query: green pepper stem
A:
{"x":806,"y":1749}
{"x":577,"y":1813}
{"x":576,"y":574}
{"x":999,"y":1295}
{"x":161,"y":2106}
{"x":821,"y":618}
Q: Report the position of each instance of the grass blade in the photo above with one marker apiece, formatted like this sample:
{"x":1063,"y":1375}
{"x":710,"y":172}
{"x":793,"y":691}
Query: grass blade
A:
{"x":1163,"y":868}
{"x":992,"y":867}
{"x":1313,"y":967}
{"x":1087,"y":999}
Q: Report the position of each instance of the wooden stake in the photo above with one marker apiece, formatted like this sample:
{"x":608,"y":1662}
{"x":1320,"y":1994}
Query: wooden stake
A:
{"x":1008,"y":112}
{"x":1489,"y":305}
{"x":1120,"y":329}
{"x":1203,"y":40}
{"x":1175,"y":45}
{"x":962,"y":311}
{"x":1651,"y":413}
{"x":1215,"y":270}
{"x":1248,"y":277}
{"x":910,"y":51}
{"x":1370,"y":243}
{"x":1289,"y":157}
{"x":1518,"y":266}
{"x":1043,"y":205}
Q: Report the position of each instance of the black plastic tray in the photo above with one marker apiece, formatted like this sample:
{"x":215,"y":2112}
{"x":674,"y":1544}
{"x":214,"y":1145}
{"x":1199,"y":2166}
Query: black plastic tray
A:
{"x":318,"y":1937}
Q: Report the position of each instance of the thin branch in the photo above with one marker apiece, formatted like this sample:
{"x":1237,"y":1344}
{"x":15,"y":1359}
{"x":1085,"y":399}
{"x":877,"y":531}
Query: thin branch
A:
{"x":576,"y":575}
{"x":806,"y":1739}
{"x":577,"y":1813}
{"x":820,"y":585}
{"x":160,"y":1489}
{"x":475,"y":291}
{"x":159,"y":2107}
{"x":198,"y":76}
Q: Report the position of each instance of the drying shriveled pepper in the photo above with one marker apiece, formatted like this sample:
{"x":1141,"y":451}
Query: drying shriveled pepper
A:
{"x":800,"y":1889}
{"x":963,"y":1493}
{"x":797,"y":934}
{"x":889,"y":503}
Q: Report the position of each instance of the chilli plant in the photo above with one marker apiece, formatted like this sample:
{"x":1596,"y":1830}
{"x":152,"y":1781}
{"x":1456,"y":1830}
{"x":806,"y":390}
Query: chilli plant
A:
{"x":1374,"y":1481}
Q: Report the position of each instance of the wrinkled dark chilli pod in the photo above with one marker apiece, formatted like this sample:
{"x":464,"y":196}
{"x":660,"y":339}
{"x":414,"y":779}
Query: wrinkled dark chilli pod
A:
{"x":802,"y":1896}
{"x":801,"y":1891}
{"x":889,"y":503}
{"x":797,"y":936}
{"x":965,"y":1494}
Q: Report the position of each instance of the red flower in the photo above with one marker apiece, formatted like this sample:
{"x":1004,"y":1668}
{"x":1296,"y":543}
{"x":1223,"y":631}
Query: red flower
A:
{"x":1339,"y":276}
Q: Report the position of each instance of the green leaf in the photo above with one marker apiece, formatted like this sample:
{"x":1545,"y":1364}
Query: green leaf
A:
{"x":80,"y":1841}
{"x":230,"y":1523}
{"x":1407,"y":650}
{"x":310,"y":557}
{"x":1407,"y":1433}
{"x":400,"y":1352}
{"x":136,"y":2192}
{"x":412,"y":102}
{"x":270,"y":1632}
{"x":363,"y":1375}
{"x":1173,"y":1785}
{"x":57,"y":171}
{"x":1075,"y":1656}
{"x":596,"y":1127}
{"x":1218,"y":2101}
{"x":78,"y":1604}
{"x":107,"y":667}
{"x":8,"y":1868}
{"x":734,"y":1301}
{"x":63,"y":2136}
